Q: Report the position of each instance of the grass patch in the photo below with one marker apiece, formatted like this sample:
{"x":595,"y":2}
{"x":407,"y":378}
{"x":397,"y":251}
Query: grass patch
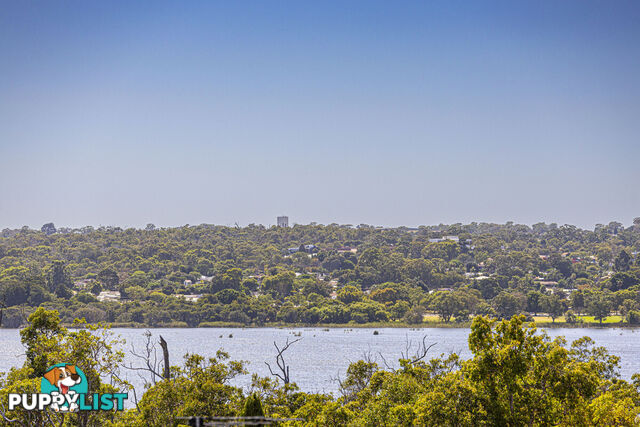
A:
{"x":609,"y":319}
{"x":547,"y":319}
{"x":582,"y":320}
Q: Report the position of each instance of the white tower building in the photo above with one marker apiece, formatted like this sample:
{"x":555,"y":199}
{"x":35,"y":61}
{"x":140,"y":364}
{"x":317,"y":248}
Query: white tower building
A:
{"x":283,"y":221}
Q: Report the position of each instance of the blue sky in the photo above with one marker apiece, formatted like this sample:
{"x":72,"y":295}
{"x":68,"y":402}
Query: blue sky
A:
{"x":387,"y":113}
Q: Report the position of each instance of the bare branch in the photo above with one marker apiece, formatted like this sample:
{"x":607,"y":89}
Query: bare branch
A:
{"x":384,"y":361}
{"x":412,"y":357}
{"x":149,"y":358}
{"x":422,"y":351}
{"x":282,"y":365}
{"x":368,"y":356}
{"x":49,"y":418}
{"x":7,"y":419}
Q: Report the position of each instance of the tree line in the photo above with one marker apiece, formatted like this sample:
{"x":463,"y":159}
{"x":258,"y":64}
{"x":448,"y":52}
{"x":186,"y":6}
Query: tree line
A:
{"x":517,"y":375}
{"x":207,"y":275}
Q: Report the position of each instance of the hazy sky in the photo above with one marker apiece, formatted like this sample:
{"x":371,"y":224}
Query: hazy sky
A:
{"x":387,"y":113}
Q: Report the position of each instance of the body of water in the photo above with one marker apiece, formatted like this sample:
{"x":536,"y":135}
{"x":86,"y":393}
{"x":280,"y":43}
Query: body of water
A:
{"x":322,"y":354}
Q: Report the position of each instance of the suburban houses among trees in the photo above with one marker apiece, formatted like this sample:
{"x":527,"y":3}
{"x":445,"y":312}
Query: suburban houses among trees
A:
{"x":322,"y":274}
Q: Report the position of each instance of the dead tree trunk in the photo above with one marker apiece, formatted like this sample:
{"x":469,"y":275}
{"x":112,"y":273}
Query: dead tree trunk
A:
{"x":282,"y":365}
{"x":2,"y":307}
{"x":165,"y":354}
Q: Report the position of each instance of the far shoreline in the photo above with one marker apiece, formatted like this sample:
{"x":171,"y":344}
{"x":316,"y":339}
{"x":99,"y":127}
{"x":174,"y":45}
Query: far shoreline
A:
{"x":374,"y":325}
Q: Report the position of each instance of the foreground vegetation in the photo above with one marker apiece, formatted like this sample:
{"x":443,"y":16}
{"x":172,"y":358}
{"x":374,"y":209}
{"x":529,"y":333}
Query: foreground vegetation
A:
{"x":516,"y":376}
{"x":313,"y":274}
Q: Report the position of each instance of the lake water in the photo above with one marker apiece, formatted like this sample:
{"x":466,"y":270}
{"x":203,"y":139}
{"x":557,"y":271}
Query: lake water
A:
{"x":323,"y":354}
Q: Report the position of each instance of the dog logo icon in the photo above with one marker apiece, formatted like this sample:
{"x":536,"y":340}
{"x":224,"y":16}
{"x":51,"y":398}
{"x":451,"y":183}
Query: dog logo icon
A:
{"x":64,"y":388}
{"x":64,"y":380}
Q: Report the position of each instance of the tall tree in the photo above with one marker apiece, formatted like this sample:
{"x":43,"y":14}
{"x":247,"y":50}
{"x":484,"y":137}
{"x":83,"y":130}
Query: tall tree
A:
{"x":446,"y":304}
{"x":623,"y":261}
{"x":48,"y":229}
{"x":554,"y":305}
{"x":599,"y":307}
{"x":58,"y":279}
{"x":109,"y":278}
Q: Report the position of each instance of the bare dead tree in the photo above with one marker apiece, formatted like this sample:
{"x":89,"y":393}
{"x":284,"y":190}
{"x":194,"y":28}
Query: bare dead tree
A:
{"x":2,"y":307}
{"x":166,"y":373}
{"x":282,"y":365}
{"x":358,"y":376}
{"x":419,"y":354}
{"x":150,"y":371}
{"x":386,"y":364}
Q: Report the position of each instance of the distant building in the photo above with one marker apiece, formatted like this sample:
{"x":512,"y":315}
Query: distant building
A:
{"x":187,"y":282}
{"x":345,"y":249}
{"x":257,"y":277}
{"x":441,"y":290}
{"x":82,"y":284}
{"x":109,"y":296}
{"x":307,"y":248}
{"x":283,"y":221}
{"x":444,"y":238}
{"x":189,"y":298}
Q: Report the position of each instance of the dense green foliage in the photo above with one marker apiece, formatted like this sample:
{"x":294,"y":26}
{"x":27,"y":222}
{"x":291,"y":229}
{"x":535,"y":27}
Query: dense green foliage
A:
{"x":314,"y":274}
{"x":47,"y":342}
{"x":516,"y":376}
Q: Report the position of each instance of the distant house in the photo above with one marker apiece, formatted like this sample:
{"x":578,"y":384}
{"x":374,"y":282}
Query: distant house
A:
{"x":346,"y":249}
{"x":441,"y":290}
{"x":476,"y":276}
{"x":187,"y":283}
{"x":444,"y":238}
{"x":192,"y":298}
{"x":307,"y":248}
{"x":82,"y":284}
{"x":189,"y":298}
{"x":258,"y":277}
{"x":567,"y":292}
{"x":109,"y":296}
{"x":548,"y":283}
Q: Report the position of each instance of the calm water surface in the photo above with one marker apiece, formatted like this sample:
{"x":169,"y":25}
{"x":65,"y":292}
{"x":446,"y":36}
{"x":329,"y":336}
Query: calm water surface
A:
{"x":323,"y":354}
